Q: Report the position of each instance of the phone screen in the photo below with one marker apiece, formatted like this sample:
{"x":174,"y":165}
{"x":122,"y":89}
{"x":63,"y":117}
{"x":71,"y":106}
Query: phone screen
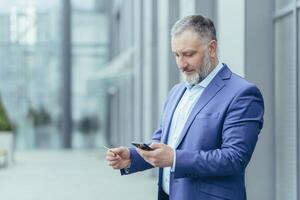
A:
{"x":142,"y":146}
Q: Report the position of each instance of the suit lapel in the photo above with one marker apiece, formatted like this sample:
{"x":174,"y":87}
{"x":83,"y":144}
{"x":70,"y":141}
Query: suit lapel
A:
{"x":175,"y":98}
{"x":209,"y":92}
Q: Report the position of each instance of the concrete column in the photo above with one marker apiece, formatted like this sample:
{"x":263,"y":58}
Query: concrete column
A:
{"x":66,"y":76}
{"x":148,"y":69}
{"x":259,"y":61}
{"x":168,"y":13}
{"x":173,"y":17}
{"x":122,"y":104}
{"x":187,"y":7}
{"x":130,"y":113}
{"x":138,"y":60}
{"x":115,"y":117}
{"x":207,"y":8}
{"x":163,"y":51}
{"x":231,"y":34}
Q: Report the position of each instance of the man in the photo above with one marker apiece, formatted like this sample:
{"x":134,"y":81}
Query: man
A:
{"x":209,"y":126}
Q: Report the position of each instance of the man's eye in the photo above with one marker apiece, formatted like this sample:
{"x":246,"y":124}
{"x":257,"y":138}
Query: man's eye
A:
{"x":189,"y":54}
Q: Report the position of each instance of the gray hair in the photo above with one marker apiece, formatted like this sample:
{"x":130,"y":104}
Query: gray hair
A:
{"x":203,"y":26}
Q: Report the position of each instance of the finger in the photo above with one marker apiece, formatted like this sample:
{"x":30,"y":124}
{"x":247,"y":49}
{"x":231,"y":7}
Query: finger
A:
{"x":112,"y":158}
{"x":145,"y":154}
{"x":117,"y":166}
{"x":140,"y":151}
{"x":156,"y":145}
{"x":111,"y":153}
{"x":119,"y":150}
{"x":113,"y":163}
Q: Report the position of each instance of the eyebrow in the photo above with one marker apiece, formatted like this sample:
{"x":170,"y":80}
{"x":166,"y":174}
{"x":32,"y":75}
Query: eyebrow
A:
{"x":185,"y":51}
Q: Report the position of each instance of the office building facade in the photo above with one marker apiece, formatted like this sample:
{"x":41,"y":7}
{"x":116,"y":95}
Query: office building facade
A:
{"x":259,"y":40}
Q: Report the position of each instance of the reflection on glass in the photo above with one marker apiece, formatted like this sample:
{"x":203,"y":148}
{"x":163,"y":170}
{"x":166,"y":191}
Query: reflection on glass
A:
{"x":30,"y":70}
{"x":30,"y":78}
{"x":285,"y":102}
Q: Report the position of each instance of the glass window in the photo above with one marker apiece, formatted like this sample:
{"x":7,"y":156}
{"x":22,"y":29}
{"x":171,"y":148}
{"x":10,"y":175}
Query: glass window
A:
{"x":286,"y":114}
{"x":30,"y":61}
{"x":90,"y":50}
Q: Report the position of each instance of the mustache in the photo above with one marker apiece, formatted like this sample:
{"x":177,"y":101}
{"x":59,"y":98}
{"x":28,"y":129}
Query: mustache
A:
{"x":200,"y":72}
{"x":187,"y":70}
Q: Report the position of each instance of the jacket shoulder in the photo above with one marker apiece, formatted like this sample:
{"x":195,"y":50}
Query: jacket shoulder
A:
{"x":241,"y":84}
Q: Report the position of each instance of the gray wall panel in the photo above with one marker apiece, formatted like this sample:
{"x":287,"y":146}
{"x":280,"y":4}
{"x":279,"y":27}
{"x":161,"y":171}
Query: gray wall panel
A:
{"x":260,"y":179}
{"x":207,"y":8}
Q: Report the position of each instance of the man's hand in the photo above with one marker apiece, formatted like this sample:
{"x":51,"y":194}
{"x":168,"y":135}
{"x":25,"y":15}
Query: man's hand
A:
{"x":118,"y":158}
{"x":161,"y":156}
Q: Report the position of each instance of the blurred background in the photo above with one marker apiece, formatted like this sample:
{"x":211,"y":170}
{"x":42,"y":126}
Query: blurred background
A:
{"x":76,"y":75}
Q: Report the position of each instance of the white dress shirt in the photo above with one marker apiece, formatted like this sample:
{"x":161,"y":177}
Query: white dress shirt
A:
{"x":180,"y":116}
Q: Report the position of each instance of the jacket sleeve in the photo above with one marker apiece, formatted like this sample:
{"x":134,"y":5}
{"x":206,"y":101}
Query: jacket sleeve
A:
{"x":242,"y":124}
{"x":137,"y":162}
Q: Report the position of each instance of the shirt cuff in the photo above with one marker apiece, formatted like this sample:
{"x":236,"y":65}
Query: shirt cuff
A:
{"x":174,"y":162}
{"x":127,"y":169}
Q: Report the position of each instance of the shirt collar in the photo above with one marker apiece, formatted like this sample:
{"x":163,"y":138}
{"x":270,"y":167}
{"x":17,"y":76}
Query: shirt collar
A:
{"x":204,"y":83}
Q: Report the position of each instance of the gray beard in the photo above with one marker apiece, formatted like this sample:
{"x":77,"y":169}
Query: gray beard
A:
{"x":198,"y":77}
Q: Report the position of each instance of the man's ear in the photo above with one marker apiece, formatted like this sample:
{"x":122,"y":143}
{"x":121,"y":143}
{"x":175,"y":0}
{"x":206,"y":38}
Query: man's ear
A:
{"x":212,"y":48}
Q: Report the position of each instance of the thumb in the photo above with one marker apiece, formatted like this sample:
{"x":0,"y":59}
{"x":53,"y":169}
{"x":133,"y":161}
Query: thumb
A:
{"x":156,"y":145}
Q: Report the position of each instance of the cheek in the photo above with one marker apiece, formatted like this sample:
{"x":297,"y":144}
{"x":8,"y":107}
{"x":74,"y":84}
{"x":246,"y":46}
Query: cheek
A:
{"x":196,"y":62}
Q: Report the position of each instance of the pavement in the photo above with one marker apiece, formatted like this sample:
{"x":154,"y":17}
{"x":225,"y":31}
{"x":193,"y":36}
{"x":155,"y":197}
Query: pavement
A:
{"x":71,"y":175}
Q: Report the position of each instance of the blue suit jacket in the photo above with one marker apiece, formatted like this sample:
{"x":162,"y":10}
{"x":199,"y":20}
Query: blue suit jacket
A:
{"x":217,"y":141}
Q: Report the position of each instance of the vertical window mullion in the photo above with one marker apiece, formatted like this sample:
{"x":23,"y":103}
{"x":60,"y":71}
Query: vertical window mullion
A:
{"x":286,"y":103}
{"x":297,"y":43}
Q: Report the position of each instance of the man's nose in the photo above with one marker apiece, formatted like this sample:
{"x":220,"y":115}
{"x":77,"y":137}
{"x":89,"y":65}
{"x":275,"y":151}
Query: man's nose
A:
{"x":182,"y":64}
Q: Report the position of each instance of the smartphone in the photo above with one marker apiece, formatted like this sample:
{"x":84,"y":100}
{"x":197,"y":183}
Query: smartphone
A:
{"x":141,"y":145}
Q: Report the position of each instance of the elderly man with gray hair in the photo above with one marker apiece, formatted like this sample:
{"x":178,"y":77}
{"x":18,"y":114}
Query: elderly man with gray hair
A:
{"x":209,"y":126}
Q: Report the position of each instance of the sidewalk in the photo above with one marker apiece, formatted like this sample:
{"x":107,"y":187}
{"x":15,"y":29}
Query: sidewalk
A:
{"x":71,"y":175}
